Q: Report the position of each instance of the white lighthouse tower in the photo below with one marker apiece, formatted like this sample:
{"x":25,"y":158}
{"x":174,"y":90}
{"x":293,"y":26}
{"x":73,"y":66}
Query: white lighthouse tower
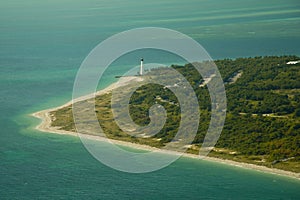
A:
{"x":141,"y":67}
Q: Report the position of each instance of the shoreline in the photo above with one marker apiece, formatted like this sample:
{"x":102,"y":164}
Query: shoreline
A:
{"x":45,"y":126}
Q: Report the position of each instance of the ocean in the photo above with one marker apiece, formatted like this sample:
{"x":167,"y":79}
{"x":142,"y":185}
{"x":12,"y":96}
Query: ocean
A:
{"x":42,"y":45}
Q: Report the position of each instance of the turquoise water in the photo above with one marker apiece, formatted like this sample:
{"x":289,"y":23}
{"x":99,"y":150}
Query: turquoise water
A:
{"x":42,"y":44}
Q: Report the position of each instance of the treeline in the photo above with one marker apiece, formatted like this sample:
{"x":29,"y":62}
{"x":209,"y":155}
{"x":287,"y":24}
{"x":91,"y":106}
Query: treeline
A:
{"x":263,"y":106}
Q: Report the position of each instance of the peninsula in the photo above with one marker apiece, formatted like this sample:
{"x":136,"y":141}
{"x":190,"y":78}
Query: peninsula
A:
{"x":262,"y":129}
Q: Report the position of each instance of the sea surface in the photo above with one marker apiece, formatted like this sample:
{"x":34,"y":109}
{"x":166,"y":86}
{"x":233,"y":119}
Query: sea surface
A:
{"x":43,"y":43}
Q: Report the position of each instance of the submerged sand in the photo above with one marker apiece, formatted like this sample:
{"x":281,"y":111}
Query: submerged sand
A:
{"x":45,"y":126}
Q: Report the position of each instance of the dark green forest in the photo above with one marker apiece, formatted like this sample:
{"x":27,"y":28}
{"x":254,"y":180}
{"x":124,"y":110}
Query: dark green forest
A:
{"x":263,"y":107}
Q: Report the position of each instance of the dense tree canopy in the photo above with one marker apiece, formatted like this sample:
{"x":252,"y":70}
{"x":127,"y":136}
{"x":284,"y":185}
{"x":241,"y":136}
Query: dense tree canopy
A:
{"x":262,"y":106}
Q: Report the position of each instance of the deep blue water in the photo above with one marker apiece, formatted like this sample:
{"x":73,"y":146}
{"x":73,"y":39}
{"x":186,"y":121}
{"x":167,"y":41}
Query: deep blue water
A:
{"x":42,"y":44}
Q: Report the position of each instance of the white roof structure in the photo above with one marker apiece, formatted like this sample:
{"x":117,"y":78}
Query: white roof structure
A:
{"x":293,"y":62}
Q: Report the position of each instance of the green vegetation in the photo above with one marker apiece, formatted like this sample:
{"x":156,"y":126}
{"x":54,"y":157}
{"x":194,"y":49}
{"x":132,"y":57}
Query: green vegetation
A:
{"x":263,"y":111}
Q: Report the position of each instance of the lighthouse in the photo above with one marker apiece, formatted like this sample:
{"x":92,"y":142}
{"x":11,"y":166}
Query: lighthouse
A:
{"x":141,"y":67}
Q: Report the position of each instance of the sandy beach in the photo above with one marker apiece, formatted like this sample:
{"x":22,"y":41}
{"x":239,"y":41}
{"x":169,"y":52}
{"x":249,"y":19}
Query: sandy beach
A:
{"x":45,"y":126}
